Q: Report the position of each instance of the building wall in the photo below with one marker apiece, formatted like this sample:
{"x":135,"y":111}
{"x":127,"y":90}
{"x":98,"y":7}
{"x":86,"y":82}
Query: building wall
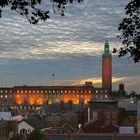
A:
{"x":138,"y":116}
{"x":53,"y":119}
{"x":7,"y":128}
{"x":23,"y":125}
{"x":106,"y":116}
{"x":40,"y":95}
{"x":6,"y":96}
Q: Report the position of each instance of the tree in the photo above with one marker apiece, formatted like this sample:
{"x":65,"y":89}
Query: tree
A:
{"x":36,"y":135}
{"x":17,"y":137}
{"x":130,"y":31}
{"x":133,"y":94}
{"x":32,"y":10}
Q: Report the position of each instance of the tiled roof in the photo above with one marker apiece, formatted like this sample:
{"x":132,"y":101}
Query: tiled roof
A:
{"x":36,"y":123}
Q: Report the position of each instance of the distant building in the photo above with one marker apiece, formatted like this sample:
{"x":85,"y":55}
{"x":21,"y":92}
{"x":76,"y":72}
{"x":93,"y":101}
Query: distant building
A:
{"x":138,"y":116}
{"x":121,"y":87}
{"x":102,"y":117}
{"x":71,"y":119}
{"x":8,"y":129}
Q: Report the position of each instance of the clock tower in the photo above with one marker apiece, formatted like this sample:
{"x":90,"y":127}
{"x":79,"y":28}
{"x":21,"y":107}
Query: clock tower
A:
{"x":107,"y":68}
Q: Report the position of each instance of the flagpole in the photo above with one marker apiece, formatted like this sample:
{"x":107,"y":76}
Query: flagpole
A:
{"x":53,"y":78}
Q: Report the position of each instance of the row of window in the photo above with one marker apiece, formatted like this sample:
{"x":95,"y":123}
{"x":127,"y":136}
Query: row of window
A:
{"x":110,"y":115}
{"x":3,"y":96}
{"x":5,"y":91}
{"x":17,"y":96}
{"x":61,"y":91}
{"x":58,"y":95}
{"x":53,"y":114}
{"x":54,"y":91}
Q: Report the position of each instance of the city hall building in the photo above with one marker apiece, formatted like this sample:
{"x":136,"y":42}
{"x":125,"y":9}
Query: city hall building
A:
{"x":41,"y":95}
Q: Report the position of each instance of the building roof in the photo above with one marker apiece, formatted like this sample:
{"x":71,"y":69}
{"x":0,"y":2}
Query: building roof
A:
{"x":35,"y":123}
{"x":70,"y":113}
{"x":127,"y":105}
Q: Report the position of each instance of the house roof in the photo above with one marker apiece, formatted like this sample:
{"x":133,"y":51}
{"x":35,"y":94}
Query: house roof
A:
{"x":35,"y":123}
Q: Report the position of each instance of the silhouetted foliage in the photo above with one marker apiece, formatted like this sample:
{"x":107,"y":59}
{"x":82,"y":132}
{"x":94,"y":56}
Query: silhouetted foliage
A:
{"x":34,"y":135}
{"x":31,"y":8}
{"x":17,"y":137}
{"x":133,"y":94}
{"x":130,"y":31}
{"x":118,"y":94}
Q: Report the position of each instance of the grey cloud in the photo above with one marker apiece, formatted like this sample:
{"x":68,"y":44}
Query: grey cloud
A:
{"x":69,"y":46}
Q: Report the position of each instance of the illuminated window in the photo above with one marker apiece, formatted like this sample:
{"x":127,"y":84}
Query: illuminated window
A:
{"x":89,"y":91}
{"x":45,"y":91}
{"x":49,"y":91}
{"x":21,"y":91}
{"x":53,"y":91}
{"x":5,"y":96}
{"x":57,"y":91}
{"x":61,"y":91}
{"x":41,"y":91}
{"x":25,"y":91}
{"x":77,"y":95}
{"x":105,"y":96}
{"x":73,"y":91}
{"x":85,"y":101}
{"x":69,"y":91}
{"x":96,"y":91}
{"x":17,"y":91}
{"x":77,"y":101}
{"x":5,"y":91}
{"x":33,"y":91}
{"x":17,"y":96}
{"x":81,"y":96}
{"x":1,"y":96}
{"x":1,"y":91}
{"x":65,"y":91}
{"x":77,"y":91}
{"x":37,"y":91}
{"x":29,"y":91}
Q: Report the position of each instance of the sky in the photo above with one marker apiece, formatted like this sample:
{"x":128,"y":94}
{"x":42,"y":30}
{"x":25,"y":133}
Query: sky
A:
{"x":70,"y":47}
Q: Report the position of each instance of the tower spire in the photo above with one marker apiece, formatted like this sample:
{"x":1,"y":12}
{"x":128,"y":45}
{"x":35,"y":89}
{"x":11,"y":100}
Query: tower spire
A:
{"x":106,"y":48}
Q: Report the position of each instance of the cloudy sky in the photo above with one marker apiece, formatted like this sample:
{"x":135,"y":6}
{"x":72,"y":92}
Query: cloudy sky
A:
{"x":69,"y":46}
